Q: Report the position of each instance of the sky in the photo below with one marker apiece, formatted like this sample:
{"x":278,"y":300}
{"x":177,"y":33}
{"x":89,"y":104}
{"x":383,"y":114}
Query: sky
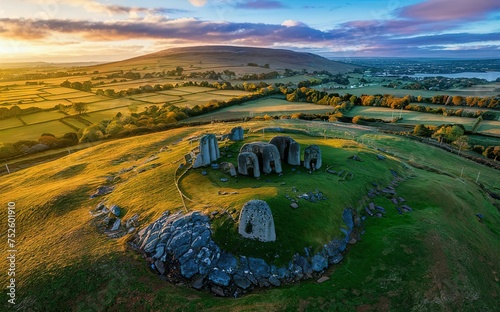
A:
{"x":110,"y":30}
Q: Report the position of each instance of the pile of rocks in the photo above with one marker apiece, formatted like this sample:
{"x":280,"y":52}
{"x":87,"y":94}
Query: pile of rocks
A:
{"x":377,"y":211}
{"x":108,"y":221}
{"x":102,"y":190}
{"x":374,"y":210}
{"x":313,"y":197}
{"x":180,"y":248}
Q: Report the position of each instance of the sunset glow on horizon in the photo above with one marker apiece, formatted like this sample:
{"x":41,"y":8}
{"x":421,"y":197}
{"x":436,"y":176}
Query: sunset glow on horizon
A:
{"x":108,"y":30}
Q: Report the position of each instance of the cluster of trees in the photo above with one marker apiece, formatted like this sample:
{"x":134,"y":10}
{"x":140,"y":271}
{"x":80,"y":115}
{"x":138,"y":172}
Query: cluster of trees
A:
{"x":492,"y":152}
{"x":454,"y":134}
{"x":486,"y":115}
{"x":257,"y":65}
{"x":45,"y":142}
{"x":457,"y":100}
{"x":15,"y":111}
{"x":82,"y":86}
{"x":441,"y":83}
{"x":39,"y":75}
{"x":261,"y":76}
{"x":131,"y":91}
{"x":444,"y":133}
{"x":388,"y":100}
{"x":339,"y":102}
{"x":213,"y":75}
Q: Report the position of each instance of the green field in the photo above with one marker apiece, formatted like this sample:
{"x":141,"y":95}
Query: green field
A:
{"x":10,"y":123}
{"x":75,"y":122}
{"x":33,"y":132}
{"x":73,"y":96}
{"x":99,"y":107}
{"x":42,"y":117}
{"x":268,"y":106}
{"x":491,"y":127}
{"x":437,"y":258}
{"x":155,"y":98}
{"x":110,"y":104}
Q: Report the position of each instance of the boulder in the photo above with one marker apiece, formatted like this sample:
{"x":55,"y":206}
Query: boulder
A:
{"x":304,"y":265}
{"x":241,"y":281}
{"x":218,"y":291}
{"x":199,"y":283}
{"x":336,"y":259}
{"x":227,"y":262}
{"x":180,"y":239}
{"x":160,"y":267}
{"x":189,"y":268}
{"x":190,"y":254}
{"x":116,"y":225}
{"x":274,"y":281}
{"x":318,"y":263}
{"x":294,"y":205}
{"x":322,"y":279}
{"x":219,"y":277}
{"x":348,"y":218}
{"x":202,"y":240}
{"x":160,"y":250}
{"x":259,"y":268}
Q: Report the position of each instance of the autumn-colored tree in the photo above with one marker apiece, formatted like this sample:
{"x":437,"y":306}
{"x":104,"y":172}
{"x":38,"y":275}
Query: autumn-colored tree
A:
{"x":80,"y":107}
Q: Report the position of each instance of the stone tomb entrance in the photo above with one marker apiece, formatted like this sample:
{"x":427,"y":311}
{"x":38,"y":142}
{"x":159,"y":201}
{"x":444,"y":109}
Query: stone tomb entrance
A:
{"x":248,"y":164}
{"x":312,"y":157}
{"x":267,"y":154}
{"x":256,"y":221}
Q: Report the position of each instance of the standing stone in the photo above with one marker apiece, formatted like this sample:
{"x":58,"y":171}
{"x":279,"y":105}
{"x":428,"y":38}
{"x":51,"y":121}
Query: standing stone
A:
{"x":248,"y":161}
{"x":208,"y":151}
{"x":268,"y":155}
{"x":228,"y":167}
{"x":312,"y":157}
{"x":256,"y":221}
{"x":236,"y":134}
{"x":288,"y":148}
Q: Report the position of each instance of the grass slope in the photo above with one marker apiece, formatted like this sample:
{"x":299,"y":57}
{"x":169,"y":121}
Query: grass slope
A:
{"x":437,"y":258}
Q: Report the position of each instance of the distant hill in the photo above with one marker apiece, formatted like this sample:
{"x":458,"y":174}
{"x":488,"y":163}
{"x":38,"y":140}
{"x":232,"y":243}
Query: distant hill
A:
{"x":213,"y":57}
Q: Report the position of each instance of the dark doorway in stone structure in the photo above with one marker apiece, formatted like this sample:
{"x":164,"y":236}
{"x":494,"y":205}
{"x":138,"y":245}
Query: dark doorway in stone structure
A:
{"x":312,"y":164}
{"x":249,"y":227}
{"x":272,"y":165}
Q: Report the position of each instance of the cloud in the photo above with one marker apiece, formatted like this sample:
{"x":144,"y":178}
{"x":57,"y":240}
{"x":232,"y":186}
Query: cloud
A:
{"x":292,"y":23}
{"x":198,"y":3}
{"x":191,"y":30}
{"x":445,"y":10}
{"x":404,"y":35}
{"x":259,"y":5}
{"x":98,"y":7}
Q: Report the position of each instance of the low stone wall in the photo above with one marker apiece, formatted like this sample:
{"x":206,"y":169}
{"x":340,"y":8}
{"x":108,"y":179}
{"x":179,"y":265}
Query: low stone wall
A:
{"x":180,"y":248}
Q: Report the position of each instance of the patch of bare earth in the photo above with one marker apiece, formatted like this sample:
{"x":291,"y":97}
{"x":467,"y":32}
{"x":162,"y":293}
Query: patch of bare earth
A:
{"x":442,"y":291}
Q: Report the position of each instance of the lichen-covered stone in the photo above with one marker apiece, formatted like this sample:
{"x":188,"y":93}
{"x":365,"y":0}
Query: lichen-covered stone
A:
{"x":312,"y":157}
{"x":288,"y":148}
{"x":256,"y":221}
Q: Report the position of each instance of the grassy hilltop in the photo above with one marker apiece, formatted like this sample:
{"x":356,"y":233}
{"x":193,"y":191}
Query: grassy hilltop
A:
{"x":439,"y":257}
